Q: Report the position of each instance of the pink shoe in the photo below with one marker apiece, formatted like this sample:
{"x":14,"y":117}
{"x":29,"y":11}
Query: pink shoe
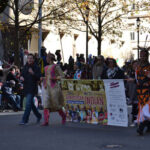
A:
{"x":63,"y":121}
{"x":46,"y":117}
{"x":63,"y":115}
{"x":45,"y":124}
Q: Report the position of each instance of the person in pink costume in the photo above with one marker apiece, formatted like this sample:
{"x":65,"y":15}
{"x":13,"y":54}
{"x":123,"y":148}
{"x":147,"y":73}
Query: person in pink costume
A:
{"x":54,"y":99}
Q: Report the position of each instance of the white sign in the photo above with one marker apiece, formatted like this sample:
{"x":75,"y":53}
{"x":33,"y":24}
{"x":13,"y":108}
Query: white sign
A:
{"x":116,"y":102}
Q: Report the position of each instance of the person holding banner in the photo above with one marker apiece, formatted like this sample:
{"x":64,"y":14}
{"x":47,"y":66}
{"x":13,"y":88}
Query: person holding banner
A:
{"x":54,"y":100}
{"x":143,"y":92}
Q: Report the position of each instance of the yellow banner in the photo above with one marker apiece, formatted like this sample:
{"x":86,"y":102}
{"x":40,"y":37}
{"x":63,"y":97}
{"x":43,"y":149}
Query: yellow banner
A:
{"x":85,"y":101}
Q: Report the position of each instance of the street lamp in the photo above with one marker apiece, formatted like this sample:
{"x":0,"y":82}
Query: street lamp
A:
{"x":86,"y":20}
{"x":138,"y":35}
{"x":40,"y":28}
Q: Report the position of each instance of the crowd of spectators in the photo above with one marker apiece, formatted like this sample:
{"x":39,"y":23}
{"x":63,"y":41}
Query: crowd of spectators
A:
{"x":98,"y":67}
{"x":78,"y":68}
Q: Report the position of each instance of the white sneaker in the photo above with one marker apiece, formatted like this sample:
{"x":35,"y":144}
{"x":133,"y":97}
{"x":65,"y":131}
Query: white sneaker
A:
{"x":132,"y":125}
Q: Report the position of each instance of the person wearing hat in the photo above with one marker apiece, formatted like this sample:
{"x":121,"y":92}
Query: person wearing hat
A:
{"x":54,"y":100}
{"x":143,"y":92}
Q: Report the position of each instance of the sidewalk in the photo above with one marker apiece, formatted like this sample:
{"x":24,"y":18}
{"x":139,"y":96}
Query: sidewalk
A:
{"x":10,"y":112}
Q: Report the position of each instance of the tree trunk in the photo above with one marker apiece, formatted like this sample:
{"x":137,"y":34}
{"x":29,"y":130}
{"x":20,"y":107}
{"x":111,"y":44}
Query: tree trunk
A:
{"x":99,"y":40}
{"x":16,"y":39}
{"x":99,"y":46}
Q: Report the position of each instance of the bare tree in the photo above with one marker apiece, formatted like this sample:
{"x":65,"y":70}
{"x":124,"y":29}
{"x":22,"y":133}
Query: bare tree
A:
{"x":106,"y":18}
{"x":25,"y":15}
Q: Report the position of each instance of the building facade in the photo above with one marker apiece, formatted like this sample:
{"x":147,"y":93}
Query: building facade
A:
{"x":75,"y":42}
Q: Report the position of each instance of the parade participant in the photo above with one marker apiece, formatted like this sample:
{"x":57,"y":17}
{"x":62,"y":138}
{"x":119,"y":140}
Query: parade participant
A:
{"x":143,"y":92}
{"x":54,"y":100}
{"x":30,"y":76}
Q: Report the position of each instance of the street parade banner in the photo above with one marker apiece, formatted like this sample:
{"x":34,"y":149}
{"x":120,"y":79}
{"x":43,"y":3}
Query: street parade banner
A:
{"x":85,"y":101}
{"x":116,"y":103}
{"x":95,"y":101}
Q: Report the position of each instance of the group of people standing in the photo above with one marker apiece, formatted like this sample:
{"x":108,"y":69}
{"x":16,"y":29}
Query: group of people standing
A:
{"x":53,"y":99}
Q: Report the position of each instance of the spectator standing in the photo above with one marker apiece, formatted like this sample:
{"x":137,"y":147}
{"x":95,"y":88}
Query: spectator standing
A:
{"x":131,"y":91}
{"x":71,"y":62}
{"x":99,"y":68}
{"x":30,"y":75}
{"x":57,"y":53}
{"x":113,"y":71}
{"x":4,"y":72}
{"x":77,"y":72}
{"x":42,"y":61}
{"x":25,"y":57}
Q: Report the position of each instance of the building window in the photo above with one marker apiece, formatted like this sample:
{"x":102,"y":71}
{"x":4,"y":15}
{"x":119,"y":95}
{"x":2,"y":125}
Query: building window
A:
{"x":132,"y":36}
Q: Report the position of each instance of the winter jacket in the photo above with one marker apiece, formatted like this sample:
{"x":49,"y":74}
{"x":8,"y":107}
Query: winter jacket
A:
{"x":31,"y":81}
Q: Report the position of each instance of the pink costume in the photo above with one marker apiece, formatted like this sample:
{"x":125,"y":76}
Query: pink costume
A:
{"x":54,"y":100}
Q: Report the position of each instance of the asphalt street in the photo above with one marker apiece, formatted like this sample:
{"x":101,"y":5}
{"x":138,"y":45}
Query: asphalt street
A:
{"x":71,"y":136}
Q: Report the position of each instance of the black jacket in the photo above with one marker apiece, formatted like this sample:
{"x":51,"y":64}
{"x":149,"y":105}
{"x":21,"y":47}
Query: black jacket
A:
{"x":31,"y":81}
{"x":11,"y":76}
{"x":118,"y":74}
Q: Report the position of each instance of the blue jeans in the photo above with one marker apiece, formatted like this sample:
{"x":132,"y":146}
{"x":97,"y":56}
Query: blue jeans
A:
{"x":30,"y":106}
{"x":14,"y":100}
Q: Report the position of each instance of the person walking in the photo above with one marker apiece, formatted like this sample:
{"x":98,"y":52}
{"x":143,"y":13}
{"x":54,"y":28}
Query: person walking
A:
{"x":143,"y":92}
{"x":30,"y":76}
{"x":53,"y":100}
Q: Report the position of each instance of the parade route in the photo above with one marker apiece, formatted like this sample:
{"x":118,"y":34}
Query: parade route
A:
{"x":71,"y":136}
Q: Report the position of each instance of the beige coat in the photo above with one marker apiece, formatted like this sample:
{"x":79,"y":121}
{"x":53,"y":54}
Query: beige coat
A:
{"x":53,"y":99}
